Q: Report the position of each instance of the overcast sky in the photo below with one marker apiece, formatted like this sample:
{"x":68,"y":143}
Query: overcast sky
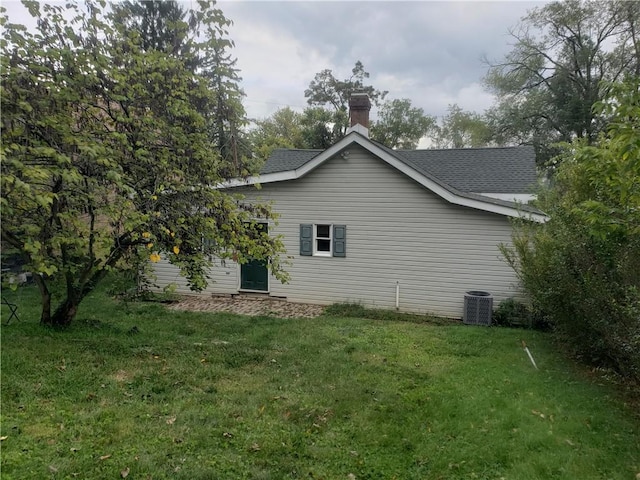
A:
{"x":429,"y":52}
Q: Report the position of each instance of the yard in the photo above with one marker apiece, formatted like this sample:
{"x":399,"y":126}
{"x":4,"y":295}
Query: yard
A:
{"x":133,"y":390}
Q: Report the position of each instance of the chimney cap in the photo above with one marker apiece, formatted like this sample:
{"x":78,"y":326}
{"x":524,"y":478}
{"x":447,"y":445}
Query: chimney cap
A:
{"x":360,"y":101}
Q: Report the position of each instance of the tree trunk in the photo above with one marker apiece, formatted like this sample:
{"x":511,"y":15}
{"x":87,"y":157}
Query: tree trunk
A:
{"x":65,"y":312}
{"x":45,"y":296}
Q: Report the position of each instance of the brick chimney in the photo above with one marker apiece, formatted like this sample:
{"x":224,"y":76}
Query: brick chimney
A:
{"x":359,"y":106}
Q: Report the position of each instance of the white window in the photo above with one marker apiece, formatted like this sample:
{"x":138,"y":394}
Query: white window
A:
{"x":322,"y":240}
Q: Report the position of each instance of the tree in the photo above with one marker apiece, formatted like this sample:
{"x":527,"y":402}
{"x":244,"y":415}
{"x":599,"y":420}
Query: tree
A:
{"x":165,"y":26}
{"x":325,"y":90}
{"x":462,"y":129}
{"x":400,"y":125}
{"x":581,"y":269}
{"x":282,"y":130}
{"x":161,"y":26}
{"x":107,"y":152}
{"x":327,"y":119}
{"x":321,"y":128}
{"x":313,"y":128}
{"x":565,"y":56}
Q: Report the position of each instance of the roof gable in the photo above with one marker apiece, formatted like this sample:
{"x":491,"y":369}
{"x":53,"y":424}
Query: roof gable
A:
{"x":454,"y":178}
{"x":478,"y":170}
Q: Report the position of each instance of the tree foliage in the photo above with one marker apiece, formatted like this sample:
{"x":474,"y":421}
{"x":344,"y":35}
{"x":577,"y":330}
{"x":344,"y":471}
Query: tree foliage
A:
{"x":161,"y":26}
{"x":399,"y":125}
{"x":282,"y":130}
{"x":326,"y":120}
{"x":167,"y":27}
{"x":326,"y":91}
{"x":109,"y":151}
{"x":461,"y":129}
{"x":582,"y":268}
{"x":564,"y":57}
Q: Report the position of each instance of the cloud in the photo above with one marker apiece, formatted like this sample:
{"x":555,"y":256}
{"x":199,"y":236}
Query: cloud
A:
{"x":429,"y":52}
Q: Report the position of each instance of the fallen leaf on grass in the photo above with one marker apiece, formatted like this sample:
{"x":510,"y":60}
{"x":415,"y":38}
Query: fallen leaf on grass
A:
{"x":104,"y":457}
{"x":537,"y":413}
{"x":125,"y":473}
{"x":570,"y":443}
{"x":255,"y":447}
{"x":171,"y":420}
{"x":53,"y":469}
{"x":2,"y":439}
{"x":62,"y":367}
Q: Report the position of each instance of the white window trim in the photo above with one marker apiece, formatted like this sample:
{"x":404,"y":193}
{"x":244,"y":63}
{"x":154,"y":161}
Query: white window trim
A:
{"x":317,"y":253}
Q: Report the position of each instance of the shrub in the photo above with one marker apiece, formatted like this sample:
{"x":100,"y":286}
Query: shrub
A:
{"x":512,"y":313}
{"x":581,"y":269}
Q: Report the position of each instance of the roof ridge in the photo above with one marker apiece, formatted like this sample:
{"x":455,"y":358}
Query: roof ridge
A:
{"x":299,"y":149}
{"x":464,"y":149}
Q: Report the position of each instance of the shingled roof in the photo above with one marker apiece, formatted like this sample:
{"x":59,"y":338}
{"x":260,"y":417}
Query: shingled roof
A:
{"x":479,"y":170}
{"x":285,"y":159}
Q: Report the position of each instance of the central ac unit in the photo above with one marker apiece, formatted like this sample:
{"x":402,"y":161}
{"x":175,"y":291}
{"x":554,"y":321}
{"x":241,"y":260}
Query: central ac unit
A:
{"x":478,"y":306}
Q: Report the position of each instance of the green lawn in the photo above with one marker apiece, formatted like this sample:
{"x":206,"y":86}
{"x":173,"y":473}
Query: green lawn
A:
{"x":139,"y":391}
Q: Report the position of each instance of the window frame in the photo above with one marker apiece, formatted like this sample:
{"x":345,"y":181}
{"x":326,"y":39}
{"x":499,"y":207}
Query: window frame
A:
{"x":322,"y":253}
{"x":309,"y":240}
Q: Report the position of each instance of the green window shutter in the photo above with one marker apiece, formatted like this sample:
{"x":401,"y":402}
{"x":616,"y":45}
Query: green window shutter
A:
{"x":306,"y":239}
{"x":339,"y":240}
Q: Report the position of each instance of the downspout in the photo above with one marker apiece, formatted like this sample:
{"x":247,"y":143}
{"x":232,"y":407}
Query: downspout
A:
{"x":397,"y":295}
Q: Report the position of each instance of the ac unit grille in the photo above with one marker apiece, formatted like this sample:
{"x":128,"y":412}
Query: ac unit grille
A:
{"x":478,"y":306}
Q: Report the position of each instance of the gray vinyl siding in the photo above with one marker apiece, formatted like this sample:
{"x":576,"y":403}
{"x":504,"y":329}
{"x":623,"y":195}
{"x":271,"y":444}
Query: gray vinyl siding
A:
{"x":397,"y":231}
{"x":224,"y":278}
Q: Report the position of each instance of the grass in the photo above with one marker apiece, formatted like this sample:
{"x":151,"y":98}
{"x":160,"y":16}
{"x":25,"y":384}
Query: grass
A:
{"x":136,"y":390}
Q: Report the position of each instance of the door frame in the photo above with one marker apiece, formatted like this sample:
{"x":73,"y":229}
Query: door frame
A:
{"x":248,"y":290}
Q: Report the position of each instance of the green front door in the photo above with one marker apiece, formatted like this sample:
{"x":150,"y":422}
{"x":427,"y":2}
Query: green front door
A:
{"x":254,"y":274}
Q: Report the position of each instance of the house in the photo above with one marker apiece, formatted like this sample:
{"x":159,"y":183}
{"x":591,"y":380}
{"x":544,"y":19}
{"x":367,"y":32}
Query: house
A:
{"x":412,"y":230}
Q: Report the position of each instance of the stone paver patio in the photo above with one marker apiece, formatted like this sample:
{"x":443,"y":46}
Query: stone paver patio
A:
{"x":248,"y":305}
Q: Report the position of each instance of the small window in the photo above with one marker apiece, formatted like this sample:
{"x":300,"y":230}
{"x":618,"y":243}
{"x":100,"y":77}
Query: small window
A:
{"x":322,"y":240}
{"x":208,"y":244}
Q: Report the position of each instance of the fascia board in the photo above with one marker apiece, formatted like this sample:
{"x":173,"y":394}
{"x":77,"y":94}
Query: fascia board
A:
{"x":510,"y":197}
{"x":258,"y":179}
